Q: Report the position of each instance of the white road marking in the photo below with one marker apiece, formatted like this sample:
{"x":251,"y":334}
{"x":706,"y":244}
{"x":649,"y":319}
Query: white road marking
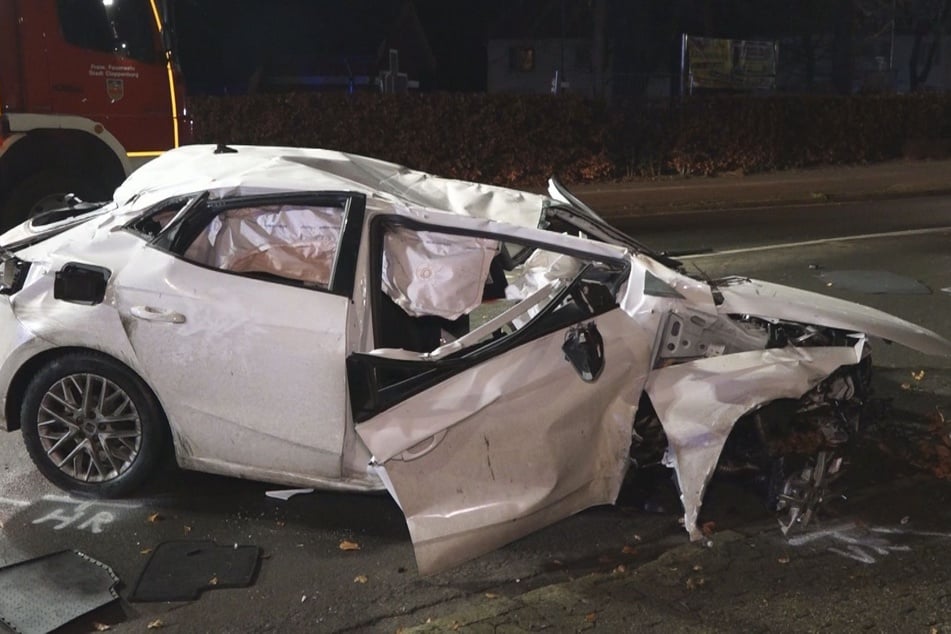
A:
{"x":13,"y":502}
{"x":810,"y":243}
{"x":65,"y":499}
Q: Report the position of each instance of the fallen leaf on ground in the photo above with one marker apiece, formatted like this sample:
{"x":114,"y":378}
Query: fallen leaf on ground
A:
{"x":620,"y":569}
{"x":905,"y":520}
{"x":101,"y":627}
{"x":693,"y":584}
{"x":346,"y":544}
{"x":905,"y":386}
{"x":629,"y":550}
{"x":213,"y":581}
{"x":157,"y":624}
{"x":491,"y":595}
{"x":591,"y":617}
{"x":697,"y":568}
{"x":784,"y":559}
{"x":920,"y":374}
{"x":155,"y":517}
{"x":708,"y":528}
{"x":145,"y":551}
{"x":186,"y":529}
{"x":360,"y":579}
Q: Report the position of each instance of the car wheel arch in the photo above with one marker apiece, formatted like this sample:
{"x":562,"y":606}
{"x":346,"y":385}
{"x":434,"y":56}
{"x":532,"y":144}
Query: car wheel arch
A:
{"x":22,"y":377}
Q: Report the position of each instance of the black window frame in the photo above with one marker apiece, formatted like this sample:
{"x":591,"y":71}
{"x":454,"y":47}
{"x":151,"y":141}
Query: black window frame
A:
{"x":198,"y":210}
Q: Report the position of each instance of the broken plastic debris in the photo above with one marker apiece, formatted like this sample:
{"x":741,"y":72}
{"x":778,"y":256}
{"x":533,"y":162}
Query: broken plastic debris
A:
{"x":349,"y":545}
{"x":286,"y":494}
{"x":157,"y":624}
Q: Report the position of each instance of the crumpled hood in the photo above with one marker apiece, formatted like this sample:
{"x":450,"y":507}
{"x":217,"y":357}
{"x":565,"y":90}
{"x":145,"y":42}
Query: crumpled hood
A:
{"x":742,"y":296}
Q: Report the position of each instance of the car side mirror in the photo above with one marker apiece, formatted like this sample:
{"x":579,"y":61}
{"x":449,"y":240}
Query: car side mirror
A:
{"x":584,"y":349}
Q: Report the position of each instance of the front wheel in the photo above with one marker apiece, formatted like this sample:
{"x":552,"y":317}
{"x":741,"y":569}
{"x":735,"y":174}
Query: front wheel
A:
{"x":91,"y":426}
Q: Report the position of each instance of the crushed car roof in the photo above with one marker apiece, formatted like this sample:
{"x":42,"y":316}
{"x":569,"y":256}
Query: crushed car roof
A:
{"x":245,"y":170}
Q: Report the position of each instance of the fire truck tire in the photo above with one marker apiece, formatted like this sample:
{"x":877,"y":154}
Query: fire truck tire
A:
{"x":47,"y":190}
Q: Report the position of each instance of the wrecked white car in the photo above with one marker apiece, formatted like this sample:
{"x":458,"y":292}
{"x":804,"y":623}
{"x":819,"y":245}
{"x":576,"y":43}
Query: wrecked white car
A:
{"x":493,"y":358}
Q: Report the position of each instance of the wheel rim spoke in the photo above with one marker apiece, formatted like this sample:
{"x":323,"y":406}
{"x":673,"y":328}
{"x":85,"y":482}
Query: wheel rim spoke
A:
{"x":89,"y":428}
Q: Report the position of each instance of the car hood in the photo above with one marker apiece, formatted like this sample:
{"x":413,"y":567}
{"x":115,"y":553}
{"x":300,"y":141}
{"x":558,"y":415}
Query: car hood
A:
{"x":756,"y":298}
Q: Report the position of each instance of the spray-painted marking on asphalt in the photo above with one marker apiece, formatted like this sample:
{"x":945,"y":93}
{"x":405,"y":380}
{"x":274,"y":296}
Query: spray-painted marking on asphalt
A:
{"x":809,"y":243}
{"x":81,"y":515}
{"x":863,"y":544}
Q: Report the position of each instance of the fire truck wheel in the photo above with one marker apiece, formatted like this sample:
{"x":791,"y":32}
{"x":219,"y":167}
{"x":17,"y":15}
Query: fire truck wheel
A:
{"x":47,"y":190}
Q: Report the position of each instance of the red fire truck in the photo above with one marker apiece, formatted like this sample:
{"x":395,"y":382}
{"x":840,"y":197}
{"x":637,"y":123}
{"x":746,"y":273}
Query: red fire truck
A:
{"x":89,"y":91}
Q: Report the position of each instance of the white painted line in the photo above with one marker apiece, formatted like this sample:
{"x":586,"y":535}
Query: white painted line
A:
{"x":65,"y":499}
{"x":13,"y":502}
{"x":810,"y":243}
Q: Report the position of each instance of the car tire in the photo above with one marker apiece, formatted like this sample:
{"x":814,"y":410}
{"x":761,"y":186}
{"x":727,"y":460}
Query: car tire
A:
{"x":91,"y":426}
{"x":47,"y":190}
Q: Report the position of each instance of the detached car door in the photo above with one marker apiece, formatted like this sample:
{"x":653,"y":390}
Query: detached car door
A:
{"x":501,"y":394}
{"x":237,"y":313}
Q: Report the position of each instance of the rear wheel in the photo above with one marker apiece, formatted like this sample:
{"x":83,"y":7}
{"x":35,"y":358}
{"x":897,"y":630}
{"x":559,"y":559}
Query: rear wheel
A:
{"x":48,"y":190}
{"x":91,"y":426}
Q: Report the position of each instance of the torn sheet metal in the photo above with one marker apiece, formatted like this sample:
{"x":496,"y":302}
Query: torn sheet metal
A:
{"x":757,"y":298}
{"x":511,"y":445}
{"x":43,"y":594}
{"x":436,"y":274}
{"x":699,"y":402}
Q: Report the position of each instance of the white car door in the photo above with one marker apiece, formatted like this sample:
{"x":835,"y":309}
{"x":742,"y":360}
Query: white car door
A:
{"x":519,"y":422}
{"x":238,"y":324}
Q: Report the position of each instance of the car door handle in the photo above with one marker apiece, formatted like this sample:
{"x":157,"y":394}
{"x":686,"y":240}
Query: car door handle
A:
{"x":150,"y":313}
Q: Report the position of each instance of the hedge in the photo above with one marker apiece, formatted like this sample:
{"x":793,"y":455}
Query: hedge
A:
{"x":523,"y":139}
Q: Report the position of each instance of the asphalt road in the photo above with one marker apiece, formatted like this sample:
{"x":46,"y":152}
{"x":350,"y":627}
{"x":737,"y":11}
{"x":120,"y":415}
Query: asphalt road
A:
{"x":743,"y":228}
{"x":307,"y":583}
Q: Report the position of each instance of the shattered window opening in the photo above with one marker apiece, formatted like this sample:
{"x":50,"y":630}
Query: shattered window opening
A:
{"x":286,"y":241}
{"x":443,"y":292}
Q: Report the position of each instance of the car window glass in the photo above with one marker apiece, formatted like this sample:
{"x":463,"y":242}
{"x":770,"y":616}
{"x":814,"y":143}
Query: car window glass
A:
{"x":285,"y":241}
{"x":441,"y":293}
{"x":119,"y":26}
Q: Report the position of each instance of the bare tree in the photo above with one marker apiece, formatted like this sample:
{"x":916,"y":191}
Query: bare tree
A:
{"x":928,"y":20}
